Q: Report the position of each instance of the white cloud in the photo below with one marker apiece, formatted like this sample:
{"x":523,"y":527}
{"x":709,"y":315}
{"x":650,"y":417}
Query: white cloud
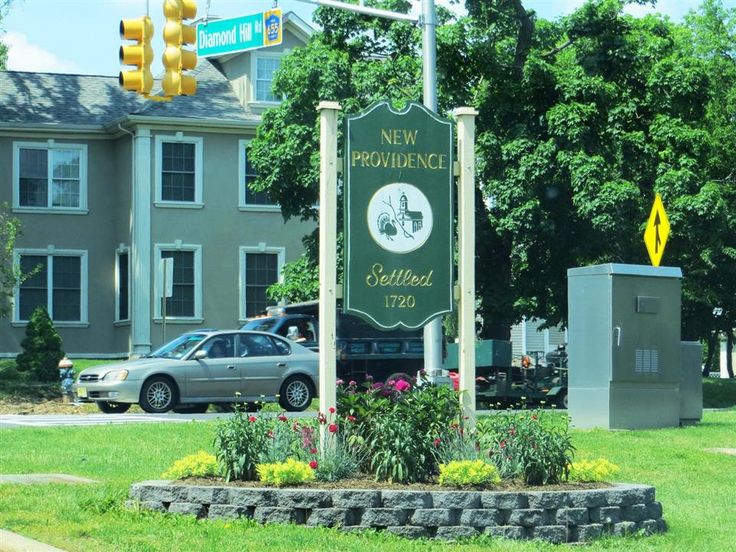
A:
{"x":24,"y":56}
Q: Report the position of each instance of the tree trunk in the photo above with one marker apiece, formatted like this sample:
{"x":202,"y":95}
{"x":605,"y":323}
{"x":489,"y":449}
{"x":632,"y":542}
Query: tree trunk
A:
{"x":712,"y":344}
{"x":729,"y":350}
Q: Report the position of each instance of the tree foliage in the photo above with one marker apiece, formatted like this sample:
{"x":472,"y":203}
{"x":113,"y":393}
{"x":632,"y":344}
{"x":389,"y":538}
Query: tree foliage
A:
{"x":10,"y":275}
{"x":581,"y":121}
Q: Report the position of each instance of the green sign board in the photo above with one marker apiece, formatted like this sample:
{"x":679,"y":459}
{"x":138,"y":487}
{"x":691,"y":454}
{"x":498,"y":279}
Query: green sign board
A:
{"x":398,"y":215}
{"x":238,"y":34}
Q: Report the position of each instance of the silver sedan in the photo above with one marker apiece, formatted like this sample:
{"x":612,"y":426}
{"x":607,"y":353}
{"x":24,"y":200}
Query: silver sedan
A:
{"x":204,"y":367}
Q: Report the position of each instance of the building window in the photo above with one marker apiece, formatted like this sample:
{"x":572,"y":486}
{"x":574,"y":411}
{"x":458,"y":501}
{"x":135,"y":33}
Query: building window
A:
{"x":179,"y":174}
{"x":50,"y":176}
{"x":265,"y":68}
{"x":186,"y":299}
{"x":248,"y":174}
{"x":122,"y":291}
{"x":58,"y":283}
{"x":260,"y":267}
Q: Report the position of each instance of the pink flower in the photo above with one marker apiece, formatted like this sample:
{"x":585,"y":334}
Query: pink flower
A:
{"x":251,"y":419}
{"x":332,"y":410}
{"x":338,"y":381}
{"x":351,"y":418}
{"x":352,"y":383}
{"x":313,"y":451}
{"x":332,"y":428}
{"x":402,"y":385}
{"x":282,"y":418}
{"x":269,"y":434}
{"x":313,"y":464}
{"x":437,"y":443}
{"x":502,"y":444}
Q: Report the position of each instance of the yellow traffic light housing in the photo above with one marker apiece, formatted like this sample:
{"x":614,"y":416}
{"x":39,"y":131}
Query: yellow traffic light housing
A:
{"x":140,"y":55}
{"x":175,"y":58}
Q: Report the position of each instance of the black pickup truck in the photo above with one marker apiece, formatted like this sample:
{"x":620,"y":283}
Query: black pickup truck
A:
{"x":362,"y":350}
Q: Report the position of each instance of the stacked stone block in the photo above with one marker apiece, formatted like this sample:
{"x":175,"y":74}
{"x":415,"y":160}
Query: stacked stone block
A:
{"x":553,"y":516}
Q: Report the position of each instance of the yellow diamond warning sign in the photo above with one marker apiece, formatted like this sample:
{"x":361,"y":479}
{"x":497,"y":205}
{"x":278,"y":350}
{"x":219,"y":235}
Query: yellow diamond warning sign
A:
{"x":657,"y":231}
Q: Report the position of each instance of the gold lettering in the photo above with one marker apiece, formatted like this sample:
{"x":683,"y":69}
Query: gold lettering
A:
{"x":410,"y":137}
{"x":403,"y":277}
{"x":385,"y":136}
{"x":363,"y":158}
{"x":355,"y":157}
{"x":397,"y":136}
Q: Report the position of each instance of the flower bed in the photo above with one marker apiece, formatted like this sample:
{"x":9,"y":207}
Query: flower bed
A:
{"x":554,"y":516}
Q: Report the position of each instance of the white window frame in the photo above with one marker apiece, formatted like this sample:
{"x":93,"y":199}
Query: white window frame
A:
{"x":260,"y":248}
{"x":83,"y":292}
{"x":253,"y":76}
{"x":48,"y":146}
{"x":198,"y":142}
{"x":124,"y":250}
{"x":159,"y":283}
{"x":243,"y":205}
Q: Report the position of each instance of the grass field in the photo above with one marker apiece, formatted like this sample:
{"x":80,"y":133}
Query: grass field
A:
{"x":695,"y":487}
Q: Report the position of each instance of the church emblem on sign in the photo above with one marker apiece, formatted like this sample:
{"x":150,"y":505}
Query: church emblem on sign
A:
{"x":399,"y":217}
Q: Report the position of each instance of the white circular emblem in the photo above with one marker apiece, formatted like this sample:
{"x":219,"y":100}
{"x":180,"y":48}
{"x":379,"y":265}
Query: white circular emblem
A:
{"x":399,"y":217}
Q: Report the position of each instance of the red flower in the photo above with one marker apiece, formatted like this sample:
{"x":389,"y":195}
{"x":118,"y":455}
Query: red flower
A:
{"x":351,"y":418}
{"x":437,"y":443}
{"x":332,"y":410}
{"x":321,"y":418}
{"x":269,"y":434}
{"x":502,"y":444}
{"x":313,"y":464}
{"x":332,"y":428}
{"x":282,"y":417}
{"x":251,"y":419}
{"x":313,"y":451}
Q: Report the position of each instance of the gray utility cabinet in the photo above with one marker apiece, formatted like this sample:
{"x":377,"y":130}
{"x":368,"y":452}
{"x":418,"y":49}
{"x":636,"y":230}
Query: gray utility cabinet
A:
{"x":624,"y":346}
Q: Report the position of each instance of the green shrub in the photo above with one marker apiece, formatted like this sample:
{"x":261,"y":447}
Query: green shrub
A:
{"x":464,"y":473}
{"x":395,"y":430}
{"x":592,"y":470}
{"x":41,"y":348}
{"x":202,"y":464}
{"x":291,"y":472}
{"x":9,"y":371}
{"x":533,"y":446}
{"x":239,"y":440}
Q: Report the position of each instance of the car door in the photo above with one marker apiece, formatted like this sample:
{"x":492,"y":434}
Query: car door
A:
{"x":217,"y":376}
{"x":261,"y":365}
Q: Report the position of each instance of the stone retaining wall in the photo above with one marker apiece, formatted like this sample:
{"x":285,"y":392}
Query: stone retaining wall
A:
{"x":554,"y":516}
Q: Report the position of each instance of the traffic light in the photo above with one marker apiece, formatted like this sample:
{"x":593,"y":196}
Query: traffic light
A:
{"x":139,"y":80}
{"x":176,"y":59}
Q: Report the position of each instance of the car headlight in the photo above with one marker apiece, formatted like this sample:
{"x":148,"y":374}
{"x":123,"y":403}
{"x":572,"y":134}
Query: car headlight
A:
{"x":115,"y":375}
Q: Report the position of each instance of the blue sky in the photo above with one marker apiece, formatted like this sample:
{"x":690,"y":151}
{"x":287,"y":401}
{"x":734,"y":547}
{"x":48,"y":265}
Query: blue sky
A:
{"x":81,"y":36}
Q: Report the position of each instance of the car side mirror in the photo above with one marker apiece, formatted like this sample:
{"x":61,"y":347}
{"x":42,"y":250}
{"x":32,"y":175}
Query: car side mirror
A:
{"x":200,"y":355}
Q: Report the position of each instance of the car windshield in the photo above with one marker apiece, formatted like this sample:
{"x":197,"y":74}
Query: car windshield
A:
{"x":261,"y":325}
{"x":179,"y":347}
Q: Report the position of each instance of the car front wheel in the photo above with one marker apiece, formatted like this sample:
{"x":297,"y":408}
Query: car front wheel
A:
{"x":296,"y":394}
{"x":159,"y":395}
{"x":113,"y":407}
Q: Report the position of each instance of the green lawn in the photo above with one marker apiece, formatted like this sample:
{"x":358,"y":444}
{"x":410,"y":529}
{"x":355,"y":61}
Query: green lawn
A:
{"x":695,"y":487}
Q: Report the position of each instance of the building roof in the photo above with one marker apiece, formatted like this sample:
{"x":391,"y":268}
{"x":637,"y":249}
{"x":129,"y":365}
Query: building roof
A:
{"x":93,"y":100}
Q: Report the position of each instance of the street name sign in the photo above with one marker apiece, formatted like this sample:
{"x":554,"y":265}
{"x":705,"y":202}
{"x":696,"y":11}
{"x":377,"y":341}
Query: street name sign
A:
{"x":398,"y":215}
{"x":238,"y":34}
{"x":657,"y":231}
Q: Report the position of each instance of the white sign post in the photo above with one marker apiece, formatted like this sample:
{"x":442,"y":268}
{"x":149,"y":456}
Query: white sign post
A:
{"x":167,"y":275}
